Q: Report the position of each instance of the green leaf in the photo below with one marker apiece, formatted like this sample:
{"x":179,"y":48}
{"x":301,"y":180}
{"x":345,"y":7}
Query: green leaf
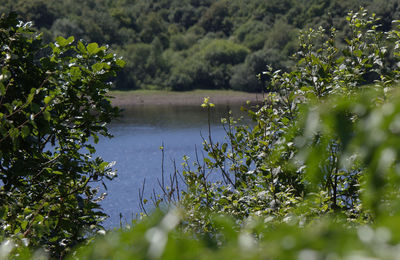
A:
{"x":70,"y":39}
{"x":93,"y":48}
{"x":103,"y":165}
{"x":56,"y":50}
{"x":121,"y":63}
{"x":46,"y":115}
{"x":3,"y":210}
{"x":62,"y":42}
{"x":17,"y":230}
{"x":14,"y":133}
{"x":30,"y":98}
{"x":25,"y":131}
{"x":75,"y":73}
{"x":81,"y":47}
{"x":358,"y":53}
{"x":224,"y":146}
{"x":47,"y":99}
{"x":24,"y":224}
{"x":95,"y":138}
{"x":2,"y":89}
{"x":97,"y":67}
{"x":91,"y":149}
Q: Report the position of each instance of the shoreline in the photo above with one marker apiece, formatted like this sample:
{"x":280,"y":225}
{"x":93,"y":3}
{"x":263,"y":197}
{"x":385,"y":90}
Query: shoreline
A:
{"x":195,"y":97}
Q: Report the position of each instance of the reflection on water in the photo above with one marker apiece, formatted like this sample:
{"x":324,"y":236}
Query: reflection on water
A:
{"x":135,"y":147}
{"x":172,"y":117}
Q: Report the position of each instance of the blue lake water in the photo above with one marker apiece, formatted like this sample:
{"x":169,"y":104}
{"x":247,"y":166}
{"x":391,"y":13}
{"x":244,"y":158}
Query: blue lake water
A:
{"x":135,"y":147}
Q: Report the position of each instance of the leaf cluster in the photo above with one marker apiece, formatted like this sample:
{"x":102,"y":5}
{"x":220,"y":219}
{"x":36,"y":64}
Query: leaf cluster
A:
{"x":53,"y":106}
{"x":270,"y":168}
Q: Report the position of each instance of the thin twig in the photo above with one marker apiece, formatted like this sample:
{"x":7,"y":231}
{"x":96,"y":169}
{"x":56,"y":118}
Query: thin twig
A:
{"x":141,"y":193}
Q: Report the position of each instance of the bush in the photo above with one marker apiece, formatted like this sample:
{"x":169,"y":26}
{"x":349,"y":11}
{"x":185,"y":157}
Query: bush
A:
{"x":136,"y":56}
{"x":52,"y":103}
{"x":208,"y":64}
{"x":248,"y":76}
{"x":280,"y":35}
{"x":216,"y":18}
{"x":287,"y":161}
{"x":181,"y":42}
{"x":252,"y":34}
{"x":224,"y":52}
{"x":245,"y":78}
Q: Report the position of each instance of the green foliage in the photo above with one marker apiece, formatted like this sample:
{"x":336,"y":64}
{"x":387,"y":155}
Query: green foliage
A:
{"x":181,"y":42}
{"x":52,"y":103}
{"x":252,"y":34}
{"x":160,"y":237}
{"x":245,"y":75}
{"x":206,"y":65}
{"x":216,"y":18}
{"x":261,"y":26}
{"x":315,"y":176}
{"x":291,"y":161}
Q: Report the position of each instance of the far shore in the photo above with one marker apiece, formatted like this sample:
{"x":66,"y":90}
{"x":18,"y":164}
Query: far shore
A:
{"x":195,"y":97}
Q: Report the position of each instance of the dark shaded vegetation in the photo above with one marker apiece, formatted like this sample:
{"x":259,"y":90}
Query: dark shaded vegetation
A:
{"x":182,"y":45}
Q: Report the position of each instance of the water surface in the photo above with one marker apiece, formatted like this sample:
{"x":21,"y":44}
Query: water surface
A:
{"x":135,"y":147}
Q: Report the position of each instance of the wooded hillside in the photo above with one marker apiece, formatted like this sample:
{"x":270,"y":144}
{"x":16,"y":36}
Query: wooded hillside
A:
{"x":187,"y":44}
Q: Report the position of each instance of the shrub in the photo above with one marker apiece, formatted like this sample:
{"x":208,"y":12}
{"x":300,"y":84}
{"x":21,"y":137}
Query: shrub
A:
{"x":245,"y":78}
{"x":207,"y":64}
{"x":224,"y":52}
{"x":216,"y":18}
{"x":269,"y":168}
{"x":52,"y":103}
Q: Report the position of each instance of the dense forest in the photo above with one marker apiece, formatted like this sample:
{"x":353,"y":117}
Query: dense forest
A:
{"x":188,"y":44}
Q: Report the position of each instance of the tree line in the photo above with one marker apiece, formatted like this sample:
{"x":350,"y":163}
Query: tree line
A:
{"x":183,"y":45}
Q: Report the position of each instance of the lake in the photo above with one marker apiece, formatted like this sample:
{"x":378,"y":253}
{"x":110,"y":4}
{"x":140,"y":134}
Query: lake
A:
{"x":135,"y":147}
